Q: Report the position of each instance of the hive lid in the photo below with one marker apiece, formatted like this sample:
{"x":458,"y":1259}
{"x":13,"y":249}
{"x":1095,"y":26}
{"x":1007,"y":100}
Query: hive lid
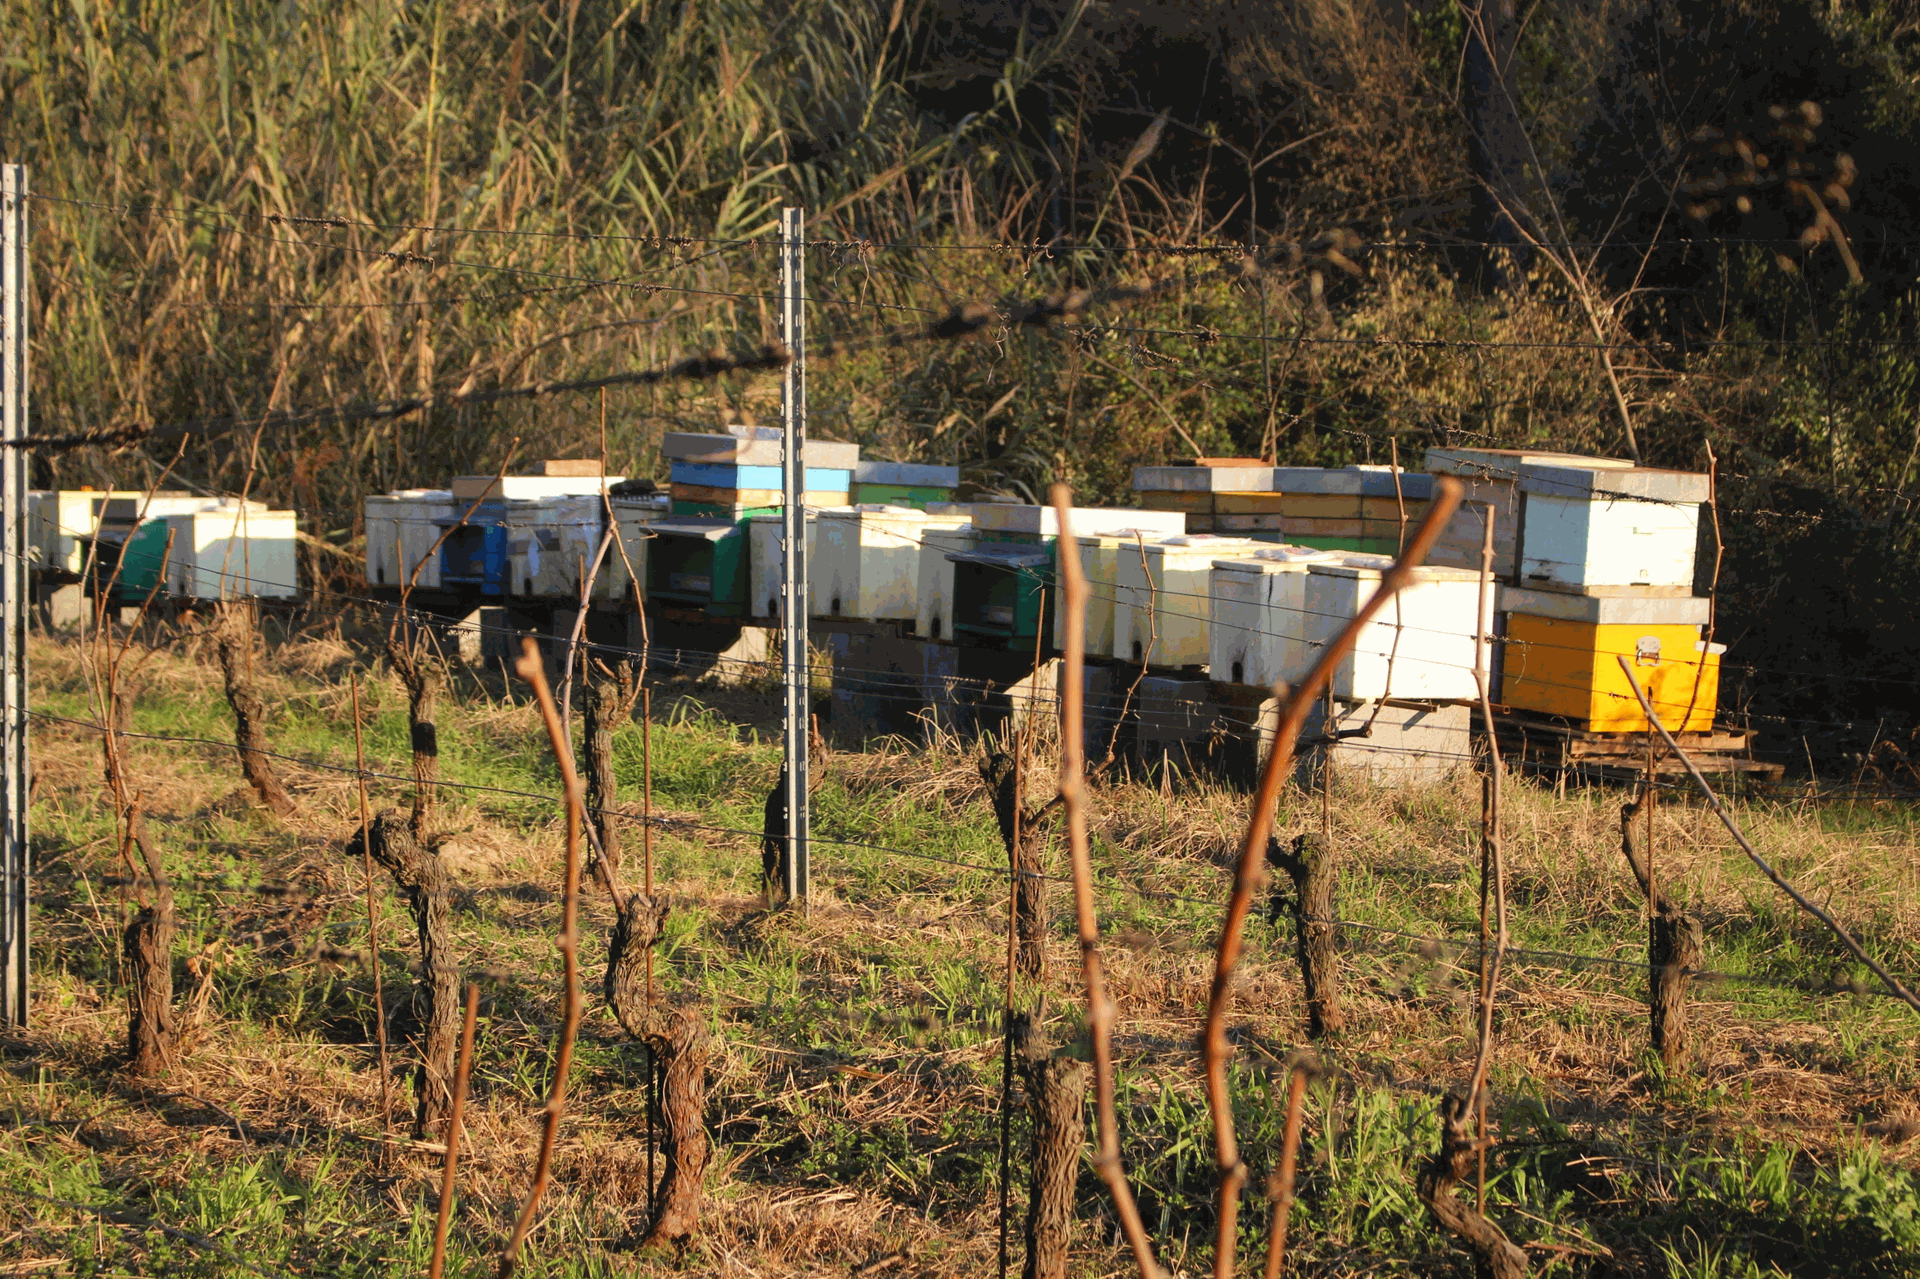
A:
{"x":711,"y":528}
{"x":1002,"y":556}
{"x":1606,"y":610}
{"x":1226,"y":475}
{"x":1639,"y":483}
{"x":1016,"y":518}
{"x":906,"y":474}
{"x":761,"y":449}
{"x":1372,"y":567}
{"x":1506,"y":464}
{"x":467,"y":487}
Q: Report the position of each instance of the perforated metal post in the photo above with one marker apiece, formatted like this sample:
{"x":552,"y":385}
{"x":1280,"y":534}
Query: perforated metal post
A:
{"x":793,"y":592}
{"x":13,"y":593}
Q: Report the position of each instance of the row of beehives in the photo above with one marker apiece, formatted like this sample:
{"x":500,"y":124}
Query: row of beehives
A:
{"x":1592,"y":558}
{"x":182,"y":544}
{"x":536,"y":536}
{"x":1596,"y":558}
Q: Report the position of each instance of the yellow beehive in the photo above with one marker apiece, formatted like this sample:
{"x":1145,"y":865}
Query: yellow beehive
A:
{"x":1568,"y":666}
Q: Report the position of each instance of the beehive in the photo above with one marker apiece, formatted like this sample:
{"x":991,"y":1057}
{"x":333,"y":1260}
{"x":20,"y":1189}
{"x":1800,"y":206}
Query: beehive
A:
{"x":133,"y":537}
{"x":933,"y":615}
{"x":1259,"y":615}
{"x":699,"y":564}
{"x":1002,"y":592}
{"x":532,"y":547}
{"x":903,"y":484}
{"x":401,"y":528}
{"x":766,"y":559}
{"x":61,"y":523}
{"x":227,"y":551}
{"x":633,"y":520}
{"x":1163,"y":605}
{"x":1190,"y":489}
{"x":1561,"y":656}
{"x":1422,"y":646}
{"x":867,"y":565}
{"x":1595,"y":530}
{"x":1100,"y":556}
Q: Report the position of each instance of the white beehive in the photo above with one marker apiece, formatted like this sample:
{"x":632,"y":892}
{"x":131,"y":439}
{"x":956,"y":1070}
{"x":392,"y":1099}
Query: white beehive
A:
{"x":1420,"y":647}
{"x":996,"y":518}
{"x":1163,"y":602}
{"x":402,"y":527}
{"x":230,"y":551}
{"x":551,"y":543}
{"x":1259,"y":615}
{"x":766,"y":560}
{"x":866,"y":563}
{"x":61,"y":522}
{"x":626,"y":561}
{"x":1100,"y":556}
{"x":1592,"y":530}
{"x":933,"y":618}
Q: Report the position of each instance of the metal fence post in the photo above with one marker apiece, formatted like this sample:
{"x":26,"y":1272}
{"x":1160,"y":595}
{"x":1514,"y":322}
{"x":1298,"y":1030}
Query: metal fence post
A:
{"x":793,"y":595}
{"x":14,"y":463}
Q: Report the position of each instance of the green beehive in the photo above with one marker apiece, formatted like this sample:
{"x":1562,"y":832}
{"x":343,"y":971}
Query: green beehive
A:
{"x":903,"y":484}
{"x":1003,"y":594}
{"x":700,"y":564}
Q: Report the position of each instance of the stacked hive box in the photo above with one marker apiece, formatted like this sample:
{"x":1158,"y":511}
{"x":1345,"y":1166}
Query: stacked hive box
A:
{"x":1354,"y":508}
{"x":903,"y":484}
{"x":703,"y":556}
{"x":738,"y":475}
{"x":1600,"y":566}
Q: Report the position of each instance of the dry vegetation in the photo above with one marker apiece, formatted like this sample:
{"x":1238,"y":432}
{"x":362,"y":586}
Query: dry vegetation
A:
{"x":854,"y":1083}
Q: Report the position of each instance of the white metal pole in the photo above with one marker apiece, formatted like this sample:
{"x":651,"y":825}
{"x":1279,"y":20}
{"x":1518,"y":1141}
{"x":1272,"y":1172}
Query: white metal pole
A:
{"x":793,"y":478}
{"x":13,"y":593}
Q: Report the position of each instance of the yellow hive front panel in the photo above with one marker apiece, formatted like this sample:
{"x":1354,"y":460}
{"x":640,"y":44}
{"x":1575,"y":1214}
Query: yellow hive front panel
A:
{"x":1570,"y":669}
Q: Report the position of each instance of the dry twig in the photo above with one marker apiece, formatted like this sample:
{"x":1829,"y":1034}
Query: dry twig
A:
{"x":1250,"y":870}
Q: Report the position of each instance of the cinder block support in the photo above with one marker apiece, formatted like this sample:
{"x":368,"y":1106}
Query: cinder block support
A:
{"x":1175,"y":723}
{"x":1410,"y":744}
{"x":886,"y":686}
{"x":59,"y":608}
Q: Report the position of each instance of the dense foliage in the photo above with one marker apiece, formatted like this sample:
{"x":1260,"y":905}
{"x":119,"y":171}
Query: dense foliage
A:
{"x":241,"y":200}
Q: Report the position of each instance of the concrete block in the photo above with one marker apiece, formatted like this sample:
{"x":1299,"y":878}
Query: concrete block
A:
{"x":59,"y":608}
{"x":1409,"y":744}
{"x":1175,"y":723}
{"x":886,"y":686}
{"x":480,"y":638}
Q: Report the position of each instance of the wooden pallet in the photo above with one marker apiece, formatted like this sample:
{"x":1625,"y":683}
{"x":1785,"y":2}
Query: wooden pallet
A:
{"x":1548,"y":745}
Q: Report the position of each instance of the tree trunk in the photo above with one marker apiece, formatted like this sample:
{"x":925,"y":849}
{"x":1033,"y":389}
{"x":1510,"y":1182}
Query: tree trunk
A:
{"x":149,"y":953}
{"x":233,"y":637}
{"x":1056,"y":1099}
{"x":678,"y":1041}
{"x":634,"y":933}
{"x":422,"y":876}
{"x":1676,"y":948}
{"x":601,"y":713}
{"x":1310,"y":866}
{"x":424,"y":674}
{"x":1494,"y":1253}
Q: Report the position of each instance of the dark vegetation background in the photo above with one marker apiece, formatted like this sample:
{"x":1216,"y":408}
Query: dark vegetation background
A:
{"x":1609,"y":149}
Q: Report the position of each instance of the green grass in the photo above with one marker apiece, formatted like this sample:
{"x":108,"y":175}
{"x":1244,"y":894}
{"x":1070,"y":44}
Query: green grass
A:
{"x":855,"y":1086}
